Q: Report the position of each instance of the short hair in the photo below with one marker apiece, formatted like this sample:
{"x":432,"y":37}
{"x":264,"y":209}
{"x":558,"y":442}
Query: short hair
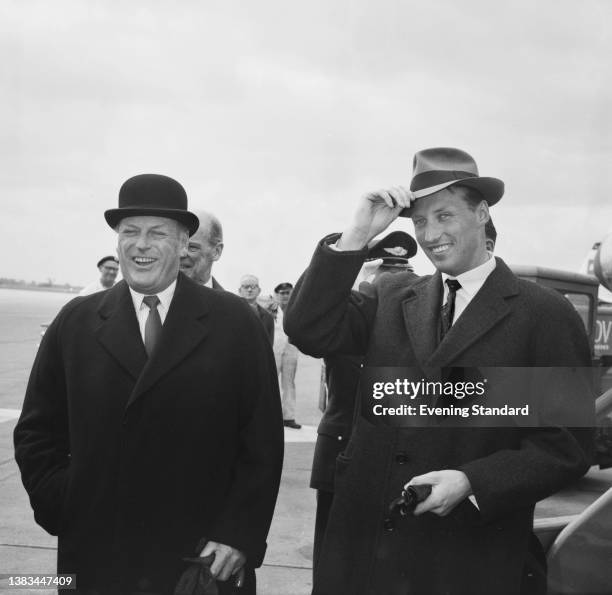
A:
{"x":490,"y":231}
{"x":471,"y":196}
{"x":215,"y":229}
{"x":248,"y":276}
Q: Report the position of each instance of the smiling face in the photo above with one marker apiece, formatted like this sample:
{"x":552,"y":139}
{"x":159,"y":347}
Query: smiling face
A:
{"x":149,"y":250}
{"x":450,"y":231}
{"x":108,"y":273}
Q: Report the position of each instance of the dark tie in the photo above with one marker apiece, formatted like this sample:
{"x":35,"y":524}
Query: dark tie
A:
{"x":153,"y":326}
{"x":448,"y":310}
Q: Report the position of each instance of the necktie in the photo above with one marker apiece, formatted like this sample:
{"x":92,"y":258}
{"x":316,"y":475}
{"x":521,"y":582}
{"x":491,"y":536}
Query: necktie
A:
{"x":153,"y":325}
{"x":448,"y":310}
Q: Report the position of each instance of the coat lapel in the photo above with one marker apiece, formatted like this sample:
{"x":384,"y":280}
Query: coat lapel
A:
{"x":421,"y":312}
{"x":183,"y":330}
{"x":118,"y":330}
{"x":487,"y":308}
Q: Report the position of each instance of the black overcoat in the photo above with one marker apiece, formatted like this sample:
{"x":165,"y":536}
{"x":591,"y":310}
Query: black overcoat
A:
{"x":268,"y":322}
{"x":131,"y":462}
{"x":509,"y":322}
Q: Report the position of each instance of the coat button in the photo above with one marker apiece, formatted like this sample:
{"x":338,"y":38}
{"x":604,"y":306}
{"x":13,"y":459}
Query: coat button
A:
{"x":388,"y":524}
{"x":401,"y":458}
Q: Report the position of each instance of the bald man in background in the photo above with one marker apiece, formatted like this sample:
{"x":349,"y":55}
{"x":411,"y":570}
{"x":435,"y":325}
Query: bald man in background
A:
{"x":205,"y":247}
{"x":249,"y":290}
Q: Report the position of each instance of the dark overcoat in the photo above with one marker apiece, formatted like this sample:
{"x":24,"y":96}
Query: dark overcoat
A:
{"x":268,"y":322}
{"x":342,"y":378}
{"x":342,"y":374}
{"x":131,"y":462}
{"x":509,"y":322}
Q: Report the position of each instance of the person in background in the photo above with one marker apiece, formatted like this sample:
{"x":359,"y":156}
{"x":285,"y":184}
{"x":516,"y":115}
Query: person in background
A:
{"x":286,"y":356}
{"x":390,"y":255}
{"x":108,"y":267}
{"x":205,"y":247}
{"x":249,"y":290}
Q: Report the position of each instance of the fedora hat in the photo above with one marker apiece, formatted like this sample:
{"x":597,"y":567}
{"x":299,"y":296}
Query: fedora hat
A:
{"x":155,"y":195}
{"x":441,"y":167}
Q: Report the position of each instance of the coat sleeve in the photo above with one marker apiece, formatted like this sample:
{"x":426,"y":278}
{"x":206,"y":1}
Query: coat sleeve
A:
{"x":41,"y":440}
{"x":324,"y":315}
{"x":560,"y":449}
{"x":245,"y":519}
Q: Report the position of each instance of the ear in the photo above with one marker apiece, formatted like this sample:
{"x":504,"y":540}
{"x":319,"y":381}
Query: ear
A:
{"x":482,"y":212}
{"x":218,"y":250}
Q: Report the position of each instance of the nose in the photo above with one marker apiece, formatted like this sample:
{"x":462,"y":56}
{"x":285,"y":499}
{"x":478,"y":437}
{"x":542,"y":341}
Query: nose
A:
{"x":430,"y":233}
{"x":142,"y":242}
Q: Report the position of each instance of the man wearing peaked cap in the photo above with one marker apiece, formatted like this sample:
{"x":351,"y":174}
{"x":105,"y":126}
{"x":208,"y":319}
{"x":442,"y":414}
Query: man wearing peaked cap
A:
{"x":286,"y":355}
{"x":108,"y":267}
{"x":151,"y":427}
{"x":471,"y":535}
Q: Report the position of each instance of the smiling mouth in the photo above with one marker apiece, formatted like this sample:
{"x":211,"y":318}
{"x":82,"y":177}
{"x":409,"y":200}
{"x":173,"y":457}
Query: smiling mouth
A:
{"x":143,"y":260}
{"x":440,"y":248}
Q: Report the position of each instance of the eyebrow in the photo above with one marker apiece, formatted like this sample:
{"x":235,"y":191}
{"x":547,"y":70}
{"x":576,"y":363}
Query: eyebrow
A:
{"x":153,"y":227}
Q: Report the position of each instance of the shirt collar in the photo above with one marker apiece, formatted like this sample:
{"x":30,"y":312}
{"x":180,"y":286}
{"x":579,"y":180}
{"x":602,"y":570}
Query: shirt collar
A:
{"x":472,"y":280}
{"x":165,"y":297}
{"x":209,"y":283}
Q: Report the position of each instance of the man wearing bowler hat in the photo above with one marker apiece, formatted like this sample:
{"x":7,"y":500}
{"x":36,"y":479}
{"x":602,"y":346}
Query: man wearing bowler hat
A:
{"x":151,"y":427}
{"x":472,"y":319}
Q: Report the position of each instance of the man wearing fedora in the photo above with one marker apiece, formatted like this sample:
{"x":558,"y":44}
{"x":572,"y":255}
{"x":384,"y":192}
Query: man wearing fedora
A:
{"x":473,"y":533}
{"x":151,"y":421}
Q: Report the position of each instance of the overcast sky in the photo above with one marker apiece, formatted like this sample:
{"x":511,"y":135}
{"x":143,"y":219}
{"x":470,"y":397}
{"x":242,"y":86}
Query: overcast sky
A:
{"x":278,"y":115}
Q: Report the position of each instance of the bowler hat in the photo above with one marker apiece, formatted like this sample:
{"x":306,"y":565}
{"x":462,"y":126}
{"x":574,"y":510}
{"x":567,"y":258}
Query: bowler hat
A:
{"x":395,"y":249}
{"x":441,"y":167}
{"x":155,"y":195}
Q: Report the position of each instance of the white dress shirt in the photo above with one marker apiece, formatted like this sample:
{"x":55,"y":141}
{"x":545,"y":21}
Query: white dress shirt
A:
{"x":471,"y":282}
{"x":142,"y":310}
